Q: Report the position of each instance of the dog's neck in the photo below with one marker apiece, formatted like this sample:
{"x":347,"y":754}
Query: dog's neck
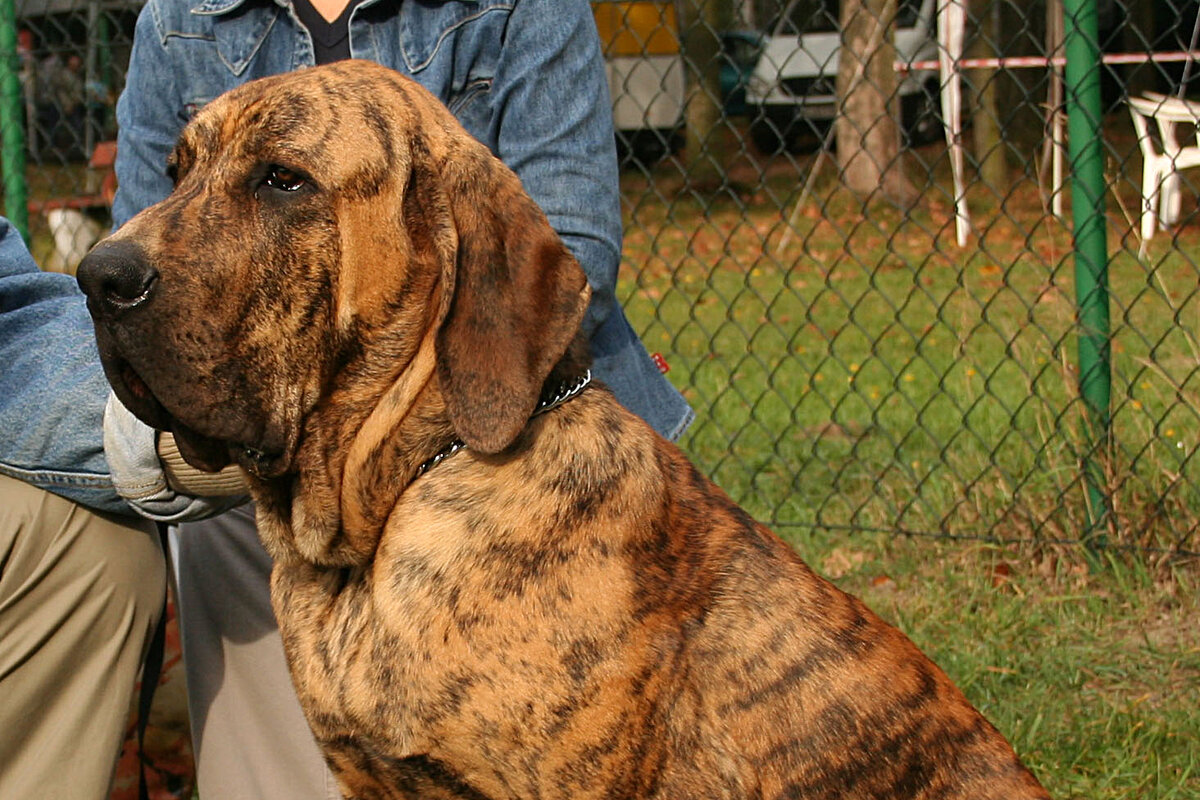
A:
{"x":552,"y":397}
{"x":354,"y":462}
{"x":351,"y":472}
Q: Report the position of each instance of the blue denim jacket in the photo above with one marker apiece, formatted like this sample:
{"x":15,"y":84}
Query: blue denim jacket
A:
{"x":525,"y":77}
{"x":51,"y":387}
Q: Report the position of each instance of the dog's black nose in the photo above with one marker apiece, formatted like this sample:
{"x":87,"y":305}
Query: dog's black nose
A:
{"x":116,"y":277}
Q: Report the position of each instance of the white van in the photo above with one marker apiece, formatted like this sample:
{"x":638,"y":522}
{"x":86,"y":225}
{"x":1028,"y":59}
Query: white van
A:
{"x":792,"y":93}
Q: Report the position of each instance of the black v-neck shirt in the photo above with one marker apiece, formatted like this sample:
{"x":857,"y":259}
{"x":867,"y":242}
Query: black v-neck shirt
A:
{"x":331,"y":40}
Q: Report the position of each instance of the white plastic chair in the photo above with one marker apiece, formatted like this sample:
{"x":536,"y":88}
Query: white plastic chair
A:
{"x":1164,"y":158}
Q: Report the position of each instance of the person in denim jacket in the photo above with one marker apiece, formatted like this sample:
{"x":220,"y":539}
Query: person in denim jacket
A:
{"x":525,"y":77}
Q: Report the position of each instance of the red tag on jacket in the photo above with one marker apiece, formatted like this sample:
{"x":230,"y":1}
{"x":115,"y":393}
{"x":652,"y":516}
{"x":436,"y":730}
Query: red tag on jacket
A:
{"x":661,"y":363}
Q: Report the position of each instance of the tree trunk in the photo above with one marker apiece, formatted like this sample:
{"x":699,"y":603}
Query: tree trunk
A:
{"x":1137,"y":36}
{"x":1021,"y":93}
{"x":868,"y":136}
{"x":706,"y":147}
{"x":986,"y":140}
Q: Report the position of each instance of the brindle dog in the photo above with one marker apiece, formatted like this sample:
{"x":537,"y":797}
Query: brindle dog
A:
{"x":343,"y":284}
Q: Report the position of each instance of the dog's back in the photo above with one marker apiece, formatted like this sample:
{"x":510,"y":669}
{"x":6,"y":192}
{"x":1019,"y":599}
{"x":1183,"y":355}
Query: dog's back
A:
{"x":778,"y":684}
{"x":809,"y":691}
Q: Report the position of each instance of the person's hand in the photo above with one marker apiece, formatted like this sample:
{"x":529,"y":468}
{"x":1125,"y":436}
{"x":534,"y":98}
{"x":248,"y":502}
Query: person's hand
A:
{"x":154,"y":480}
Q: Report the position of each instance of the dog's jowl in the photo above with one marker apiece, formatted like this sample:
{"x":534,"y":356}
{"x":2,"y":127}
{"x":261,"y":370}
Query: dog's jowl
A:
{"x":492,"y":580}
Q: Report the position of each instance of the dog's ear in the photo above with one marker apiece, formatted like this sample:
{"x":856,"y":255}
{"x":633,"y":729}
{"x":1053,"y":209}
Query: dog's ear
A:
{"x":517,"y":300}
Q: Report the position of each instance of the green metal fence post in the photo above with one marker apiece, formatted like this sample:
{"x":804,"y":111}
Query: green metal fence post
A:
{"x":12,"y":126}
{"x":1091,"y":257}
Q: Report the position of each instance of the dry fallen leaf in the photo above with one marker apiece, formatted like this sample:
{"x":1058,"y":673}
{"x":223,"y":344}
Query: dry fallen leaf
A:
{"x":841,"y":562}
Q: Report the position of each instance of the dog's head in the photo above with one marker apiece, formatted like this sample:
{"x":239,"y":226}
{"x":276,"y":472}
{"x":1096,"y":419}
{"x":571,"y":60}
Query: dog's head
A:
{"x":323,"y":224}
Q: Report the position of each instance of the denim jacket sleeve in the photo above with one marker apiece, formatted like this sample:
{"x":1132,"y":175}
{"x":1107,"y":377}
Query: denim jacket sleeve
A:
{"x":148,"y":121}
{"x":53,"y":390}
{"x":552,"y":124}
{"x":557,"y":135}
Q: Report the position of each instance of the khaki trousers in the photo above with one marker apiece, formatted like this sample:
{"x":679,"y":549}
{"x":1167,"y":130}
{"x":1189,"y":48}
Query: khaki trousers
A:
{"x":80,"y":594}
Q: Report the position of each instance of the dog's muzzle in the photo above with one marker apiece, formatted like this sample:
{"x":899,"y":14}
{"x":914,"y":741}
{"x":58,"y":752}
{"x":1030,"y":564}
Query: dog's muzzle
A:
{"x":118,"y":280}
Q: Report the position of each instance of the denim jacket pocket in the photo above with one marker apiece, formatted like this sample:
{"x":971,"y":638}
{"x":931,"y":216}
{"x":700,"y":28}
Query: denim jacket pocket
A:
{"x":421,"y":36}
{"x":239,"y":34}
{"x":461,"y":106}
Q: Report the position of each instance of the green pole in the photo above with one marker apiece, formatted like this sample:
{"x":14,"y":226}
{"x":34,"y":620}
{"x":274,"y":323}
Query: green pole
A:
{"x":1091,"y":257}
{"x":12,"y":125}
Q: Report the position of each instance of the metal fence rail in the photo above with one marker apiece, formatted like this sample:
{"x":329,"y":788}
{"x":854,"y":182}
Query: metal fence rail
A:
{"x":853,"y":364}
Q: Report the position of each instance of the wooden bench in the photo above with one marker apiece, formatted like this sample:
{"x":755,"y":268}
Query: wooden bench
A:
{"x":104,"y":155}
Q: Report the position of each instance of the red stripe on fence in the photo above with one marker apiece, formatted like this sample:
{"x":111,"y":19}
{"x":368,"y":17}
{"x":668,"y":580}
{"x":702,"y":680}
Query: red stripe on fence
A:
{"x":1013,"y":62}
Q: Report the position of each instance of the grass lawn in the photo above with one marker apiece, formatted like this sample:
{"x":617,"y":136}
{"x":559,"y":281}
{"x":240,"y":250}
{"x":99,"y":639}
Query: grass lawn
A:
{"x":1093,"y":677}
{"x":868,"y":374}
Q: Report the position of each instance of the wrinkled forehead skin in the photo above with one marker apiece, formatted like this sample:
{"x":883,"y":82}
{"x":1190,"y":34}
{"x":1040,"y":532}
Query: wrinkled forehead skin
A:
{"x":345,"y":126}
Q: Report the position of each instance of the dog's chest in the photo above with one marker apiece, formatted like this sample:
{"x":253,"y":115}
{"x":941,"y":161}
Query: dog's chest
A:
{"x":471,"y":651}
{"x":371,"y":694}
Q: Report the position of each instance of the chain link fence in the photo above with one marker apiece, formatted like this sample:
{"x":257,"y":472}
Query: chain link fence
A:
{"x":877,"y":322}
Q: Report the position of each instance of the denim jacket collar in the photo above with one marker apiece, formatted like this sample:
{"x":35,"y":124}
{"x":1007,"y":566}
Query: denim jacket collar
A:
{"x":240,"y":31}
{"x":218,"y":7}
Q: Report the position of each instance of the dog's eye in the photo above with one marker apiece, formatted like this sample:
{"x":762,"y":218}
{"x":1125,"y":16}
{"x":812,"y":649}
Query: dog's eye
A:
{"x":283,"y":179}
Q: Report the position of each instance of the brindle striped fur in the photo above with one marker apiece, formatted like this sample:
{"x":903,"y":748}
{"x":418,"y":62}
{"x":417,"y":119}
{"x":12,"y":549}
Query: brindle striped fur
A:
{"x":566,"y":609}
